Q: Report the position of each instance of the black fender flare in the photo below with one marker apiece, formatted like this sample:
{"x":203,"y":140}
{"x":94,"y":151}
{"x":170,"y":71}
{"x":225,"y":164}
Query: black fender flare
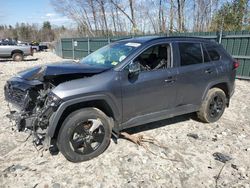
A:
{"x":211,"y":84}
{"x":54,"y":119}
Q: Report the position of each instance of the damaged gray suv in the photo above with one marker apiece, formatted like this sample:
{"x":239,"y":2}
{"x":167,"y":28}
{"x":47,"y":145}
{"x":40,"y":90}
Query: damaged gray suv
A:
{"x":78,"y":106}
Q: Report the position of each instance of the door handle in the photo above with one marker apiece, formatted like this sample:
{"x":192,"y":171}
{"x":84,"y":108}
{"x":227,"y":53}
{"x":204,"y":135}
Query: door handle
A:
{"x":208,"y":71}
{"x":170,"y":80}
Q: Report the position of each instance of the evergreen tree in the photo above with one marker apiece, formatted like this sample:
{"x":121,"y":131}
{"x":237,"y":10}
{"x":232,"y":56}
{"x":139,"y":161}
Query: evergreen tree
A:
{"x":230,"y":16}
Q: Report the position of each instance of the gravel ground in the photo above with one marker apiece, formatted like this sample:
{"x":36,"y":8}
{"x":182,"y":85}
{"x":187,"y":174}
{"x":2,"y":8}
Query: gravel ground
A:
{"x":184,"y":161}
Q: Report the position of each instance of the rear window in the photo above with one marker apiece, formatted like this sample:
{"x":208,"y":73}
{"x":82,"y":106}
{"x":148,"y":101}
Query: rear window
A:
{"x":190,"y":53}
{"x":213,"y":52}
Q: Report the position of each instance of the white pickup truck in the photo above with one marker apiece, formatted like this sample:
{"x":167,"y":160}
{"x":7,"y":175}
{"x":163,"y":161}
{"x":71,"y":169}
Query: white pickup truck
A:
{"x":17,"y":53}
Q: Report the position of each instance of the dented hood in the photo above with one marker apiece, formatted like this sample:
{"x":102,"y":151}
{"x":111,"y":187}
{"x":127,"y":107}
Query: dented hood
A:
{"x":59,"y":69}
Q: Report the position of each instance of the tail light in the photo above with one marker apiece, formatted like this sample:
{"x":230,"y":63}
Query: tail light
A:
{"x":236,"y":64}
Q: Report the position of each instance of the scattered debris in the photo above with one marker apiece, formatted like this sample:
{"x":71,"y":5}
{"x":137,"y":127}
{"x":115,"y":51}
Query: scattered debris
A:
{"x":218,"y":176}
{"x":140,"y":140}
{"x":247,"y":149}
{"x":14,"y":168}
{"x":234,"y":166}
{"x":193,"y":135}
{"x":224,"y":133}
{"x":1,"y":72}
{"x":221,"y":157}
{"x":56,"y":185}
{"x":215,"y":138}
{"x":42,"y":163}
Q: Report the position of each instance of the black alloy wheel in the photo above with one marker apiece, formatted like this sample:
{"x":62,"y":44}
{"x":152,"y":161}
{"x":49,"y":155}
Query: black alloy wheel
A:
{"x":84,"y":134}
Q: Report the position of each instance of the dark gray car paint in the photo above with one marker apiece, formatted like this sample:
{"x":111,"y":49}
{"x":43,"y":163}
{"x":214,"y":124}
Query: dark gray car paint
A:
{"x":63,"y":68}
{"x":152,"y":95}
{"x":127,"y":97}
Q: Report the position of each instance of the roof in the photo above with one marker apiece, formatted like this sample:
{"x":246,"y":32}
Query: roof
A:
{"x":152,"y":38}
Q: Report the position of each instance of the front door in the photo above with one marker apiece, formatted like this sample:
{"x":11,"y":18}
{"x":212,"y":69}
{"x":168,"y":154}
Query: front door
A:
{"x":153,"y":89}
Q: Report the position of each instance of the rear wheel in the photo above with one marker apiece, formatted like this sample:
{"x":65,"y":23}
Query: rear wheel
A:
{"x":213,"y":106}
{"x":84,"y":134}
{"x":17,"y":57}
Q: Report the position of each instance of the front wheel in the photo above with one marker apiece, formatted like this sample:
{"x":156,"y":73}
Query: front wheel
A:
{"x":84,"y":134}
{"x":213,"y":106}
{"x":17,"y":57}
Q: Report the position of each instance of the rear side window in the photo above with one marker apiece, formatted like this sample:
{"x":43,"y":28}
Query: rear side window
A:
{"x":190,"y":53}
{"x":213,"y":52}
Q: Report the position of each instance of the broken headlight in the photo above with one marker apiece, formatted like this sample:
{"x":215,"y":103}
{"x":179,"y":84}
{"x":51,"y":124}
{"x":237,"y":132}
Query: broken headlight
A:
{"x":53,"y":100}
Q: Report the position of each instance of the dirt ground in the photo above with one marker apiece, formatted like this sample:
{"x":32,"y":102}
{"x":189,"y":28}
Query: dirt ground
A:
{"x":184,"y":161}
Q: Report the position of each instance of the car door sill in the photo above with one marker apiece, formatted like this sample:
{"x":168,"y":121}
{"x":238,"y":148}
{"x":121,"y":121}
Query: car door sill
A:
{"x":160,"y":115}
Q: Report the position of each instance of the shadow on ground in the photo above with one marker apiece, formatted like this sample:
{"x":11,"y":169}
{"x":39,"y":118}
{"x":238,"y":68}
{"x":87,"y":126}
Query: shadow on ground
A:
{"x":7,"y":60}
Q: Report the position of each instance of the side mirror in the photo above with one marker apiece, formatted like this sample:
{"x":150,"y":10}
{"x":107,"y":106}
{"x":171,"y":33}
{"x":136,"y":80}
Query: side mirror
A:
{"x":134,"y":68}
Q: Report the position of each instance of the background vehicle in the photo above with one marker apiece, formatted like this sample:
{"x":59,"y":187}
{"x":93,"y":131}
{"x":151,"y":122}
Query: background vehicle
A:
{"x":35,"y":46}
{"x":125,"y":84}
{"x":8,"y":42}
{"x":23,"y":43}
{"x":38,"y":46}
{"x":43,"y":46}
{"x":17,"y":53}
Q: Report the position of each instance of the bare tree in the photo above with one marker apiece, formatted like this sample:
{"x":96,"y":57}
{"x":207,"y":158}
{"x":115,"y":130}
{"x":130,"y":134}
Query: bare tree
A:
{"x":161,"y":18}
{"x":93,"y":10}
{"x":77,"y":11}
{"x":181,"y":6}
{"x":130,"y":18}
{"x":119,"y":17}
{"x":171,"y":27}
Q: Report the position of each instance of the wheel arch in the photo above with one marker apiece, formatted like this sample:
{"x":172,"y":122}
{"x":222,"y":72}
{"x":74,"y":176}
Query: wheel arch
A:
{"x":16,"y":51}
{"x":68,"y":107}
{"x":221,"y":85}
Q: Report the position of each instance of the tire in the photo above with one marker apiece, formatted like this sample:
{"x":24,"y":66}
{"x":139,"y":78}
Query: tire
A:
{"x":74,"y":133}
{"x":17,"y":57}
{"x":213,"y":106}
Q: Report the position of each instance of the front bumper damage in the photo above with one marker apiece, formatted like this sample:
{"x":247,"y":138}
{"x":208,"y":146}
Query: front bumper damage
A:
{"x":36,"y":124}
{"x":31,"y":109}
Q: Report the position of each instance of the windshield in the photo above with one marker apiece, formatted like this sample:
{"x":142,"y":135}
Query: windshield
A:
{"x":111,"y":55}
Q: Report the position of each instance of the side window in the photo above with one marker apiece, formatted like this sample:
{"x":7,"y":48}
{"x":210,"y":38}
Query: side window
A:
{"x":190,"y":53}
{"x":155,"y":57}
{"x":212,"y":52}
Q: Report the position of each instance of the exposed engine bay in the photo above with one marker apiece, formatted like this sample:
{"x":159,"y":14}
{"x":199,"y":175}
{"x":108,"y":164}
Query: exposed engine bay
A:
{"x":30,"y":94}
{"x":33,"y":109}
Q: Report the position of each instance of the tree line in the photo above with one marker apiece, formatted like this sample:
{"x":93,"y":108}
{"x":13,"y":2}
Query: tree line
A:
{"x":30,"y":32}
{"x":119,"y":17}
{"x":135,"y":17}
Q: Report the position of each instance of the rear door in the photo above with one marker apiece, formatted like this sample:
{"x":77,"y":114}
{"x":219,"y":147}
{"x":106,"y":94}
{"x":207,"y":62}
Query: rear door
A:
{"x":195,"y":72}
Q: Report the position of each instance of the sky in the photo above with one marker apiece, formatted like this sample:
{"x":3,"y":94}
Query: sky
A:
{"x":30,"y":11}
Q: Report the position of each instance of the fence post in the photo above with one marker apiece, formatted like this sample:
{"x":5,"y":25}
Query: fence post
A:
{"x":73,"y":49}
{"x":88,"y":46}
{"x":220,"y":37}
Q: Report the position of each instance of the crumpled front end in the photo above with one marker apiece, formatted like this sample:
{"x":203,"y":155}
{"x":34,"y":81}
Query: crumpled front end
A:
{"x":21,"y":93}
{"x":32,"y":104}
{"x":31,"y":93}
